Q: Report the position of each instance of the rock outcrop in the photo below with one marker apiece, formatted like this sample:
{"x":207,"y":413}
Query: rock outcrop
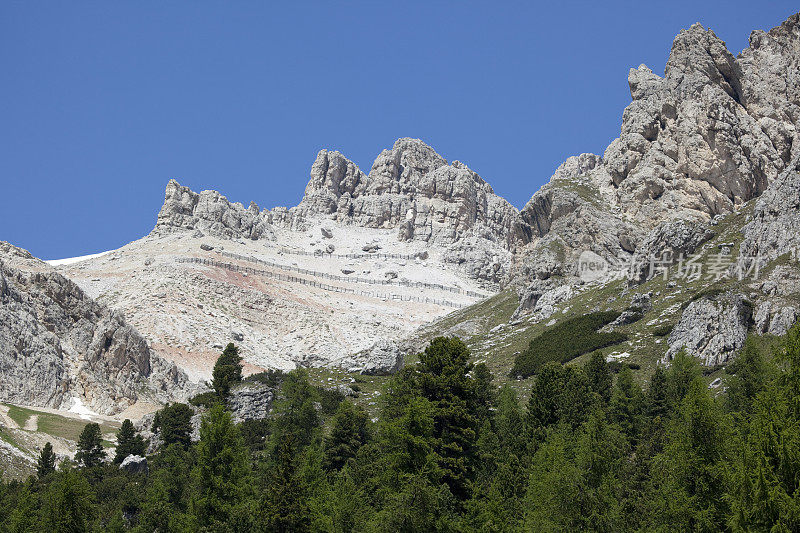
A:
{"x":251,"y":401}
{"x":709,"y":135}
{"x":667,"y":244}
{"x":134,"y":464}
{"x":58,"y":345}
{"x":696,"y":142}
{"x":413,"y":189}
{"x":576,"y":211}
{"x":210,"y":212}
{"x":385,"y":357}
{"x":772,"y":229}
{"x":712,"y":328}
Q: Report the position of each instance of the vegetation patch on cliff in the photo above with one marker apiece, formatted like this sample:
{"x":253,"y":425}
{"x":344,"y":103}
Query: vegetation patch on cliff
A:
{"x":566,"y":341}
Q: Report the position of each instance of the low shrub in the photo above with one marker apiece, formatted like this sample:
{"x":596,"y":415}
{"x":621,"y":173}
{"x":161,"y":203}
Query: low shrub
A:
{"x":566,"y":341}
{"x":206,"y":399}
{"x":272,"y":378}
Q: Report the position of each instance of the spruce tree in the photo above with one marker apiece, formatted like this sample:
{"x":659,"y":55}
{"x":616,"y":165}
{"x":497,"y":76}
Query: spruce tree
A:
{"x":129,"y":442}
{"x":545,"y":403}
{"x":626,"y":403}
{"x":90,"y":446}
{"x":47,"y":461}
{"x":656,"y":400}
{"x":295,"y":409}
{"x":442,"y":377}
{"x":750,"y":376}
{"x":227,"y":370}
{"x":69,"y":503}
{"x":25,"y":517}
{"x":683,"y":370}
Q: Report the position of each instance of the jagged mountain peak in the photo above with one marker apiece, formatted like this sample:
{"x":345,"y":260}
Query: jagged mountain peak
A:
{"x":410,"y":188}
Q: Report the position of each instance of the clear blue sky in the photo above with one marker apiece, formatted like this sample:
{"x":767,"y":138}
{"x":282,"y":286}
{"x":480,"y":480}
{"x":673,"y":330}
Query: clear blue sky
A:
{"x":103,"y":102}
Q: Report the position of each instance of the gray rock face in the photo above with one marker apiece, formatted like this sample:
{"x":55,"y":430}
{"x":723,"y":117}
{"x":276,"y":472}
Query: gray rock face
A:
{"x":709,"y":135}
{"x":57,"y":344}
{"x":576,"y":211}
{"x":771,"y":89}
{"x":772,"y":230}
{"x":251,"y":401}
{"x":530,"y":295}
{"x":666,"y":244}
{"x":696,"y":141}
{"x":211,"y":213}
{"x":134,"y":464}
{"x":412,"y":188}
{"x":540,"y":299}
{"x":385,"y":357}
{"x":711,"y":329}
{"x":774,"y":319}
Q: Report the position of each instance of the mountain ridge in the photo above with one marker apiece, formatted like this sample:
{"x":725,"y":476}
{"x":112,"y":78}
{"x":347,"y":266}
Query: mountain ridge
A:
{"x":332,"y":280}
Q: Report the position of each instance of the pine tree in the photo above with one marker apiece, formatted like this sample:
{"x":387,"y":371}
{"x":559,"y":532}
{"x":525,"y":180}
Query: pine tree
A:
{"x":69,"y":503}
{"x":90,"y":446}
{"x":47,"y":461}
{"x":544,"y":405}
{"x":769,"y":467}
{"x":750,"y":376}
{"x":442,"y":377}
{"x":656,"y":400}
{"x":626,"y":403}
{"x":129,"y":442}
{"x":227,"y":370}
{"x":222,"y":472}
{"x":577,"y":397}
{"x":349,"y":431}
{"x":295,"y":410}
{"x":24,"y":518}
{"x":509,"y":422}
{"x":691,"y":475}
{"x":485,"y":390}
{"x":285,"y":503}
{"x":599,"y":374}
{"x":682,"y":372}
{"x":174,"y":422}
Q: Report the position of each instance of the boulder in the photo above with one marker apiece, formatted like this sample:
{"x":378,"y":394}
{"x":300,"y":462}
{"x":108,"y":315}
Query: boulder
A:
{"x":134,"y":464}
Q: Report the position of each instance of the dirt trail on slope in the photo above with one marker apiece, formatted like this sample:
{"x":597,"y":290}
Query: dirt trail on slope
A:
{"x":32,"y":423}
{"x":6,"y":420}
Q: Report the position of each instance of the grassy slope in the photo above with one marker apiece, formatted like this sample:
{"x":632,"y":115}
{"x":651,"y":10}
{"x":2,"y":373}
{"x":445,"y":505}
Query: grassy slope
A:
{"x":56,"y":425}
{"x":497,"y":346}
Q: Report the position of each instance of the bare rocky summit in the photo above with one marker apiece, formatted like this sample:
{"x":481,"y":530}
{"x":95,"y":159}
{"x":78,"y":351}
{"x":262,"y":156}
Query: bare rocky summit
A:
{"x":412,"y":188}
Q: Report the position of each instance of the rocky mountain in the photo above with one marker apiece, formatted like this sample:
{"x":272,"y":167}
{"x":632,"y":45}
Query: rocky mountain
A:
{"x":361,"y":262}
{"x":702,"y":140}
{"x":59,"y":348}
{"x":411,"y":189}
{"x":703,"y":177}
{"x":370,"y":264}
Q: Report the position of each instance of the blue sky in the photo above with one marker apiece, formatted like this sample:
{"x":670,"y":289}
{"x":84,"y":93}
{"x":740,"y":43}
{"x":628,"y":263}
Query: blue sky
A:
{"x":101,"y":103}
